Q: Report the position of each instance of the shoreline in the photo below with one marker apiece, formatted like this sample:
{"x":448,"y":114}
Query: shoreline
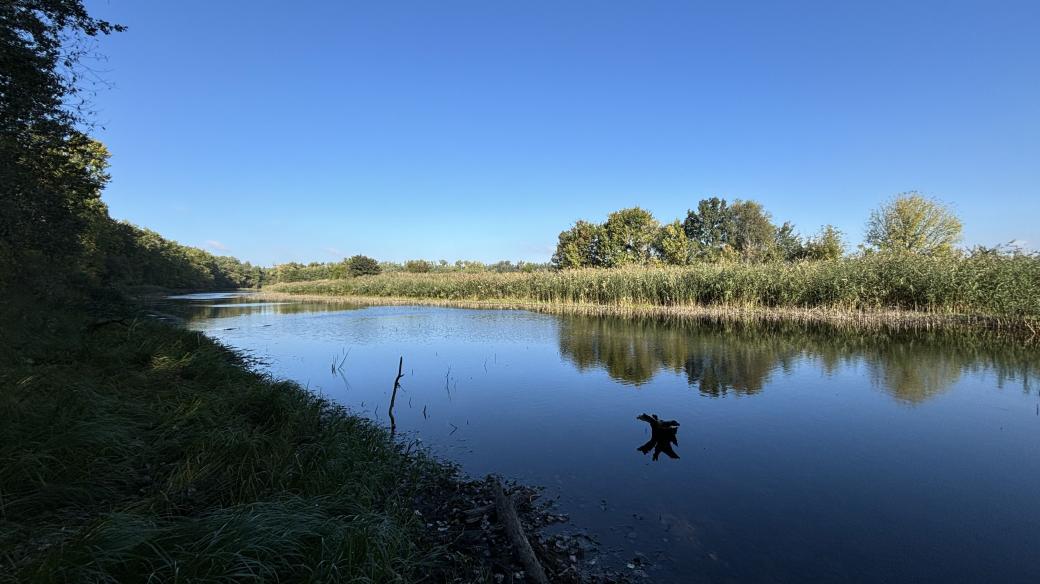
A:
{"x":198,"y":450}
{"x":895,"y":321}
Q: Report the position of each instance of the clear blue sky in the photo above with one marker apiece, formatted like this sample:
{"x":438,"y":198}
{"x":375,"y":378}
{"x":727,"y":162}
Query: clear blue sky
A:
{"x":278,"y":131}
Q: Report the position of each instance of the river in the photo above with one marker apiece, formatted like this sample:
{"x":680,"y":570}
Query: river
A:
{"x":802,"y":456}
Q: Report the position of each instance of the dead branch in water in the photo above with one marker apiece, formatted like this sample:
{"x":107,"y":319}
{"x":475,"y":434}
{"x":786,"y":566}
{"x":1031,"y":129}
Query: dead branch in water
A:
{"x":393,"y":396}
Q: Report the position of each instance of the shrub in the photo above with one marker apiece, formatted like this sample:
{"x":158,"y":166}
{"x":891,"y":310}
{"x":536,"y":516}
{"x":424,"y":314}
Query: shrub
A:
{"x":417,"y":266}
{"x":360,"y":265}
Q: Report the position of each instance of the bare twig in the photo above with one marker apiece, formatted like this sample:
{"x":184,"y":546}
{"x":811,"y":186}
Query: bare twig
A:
{"x":393,"y":396}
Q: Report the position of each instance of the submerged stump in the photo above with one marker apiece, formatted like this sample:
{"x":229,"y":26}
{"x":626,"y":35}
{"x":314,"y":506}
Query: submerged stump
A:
{"x":662,"y":436}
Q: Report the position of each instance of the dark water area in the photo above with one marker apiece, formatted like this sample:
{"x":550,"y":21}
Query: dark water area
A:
{"x":803,"y":456}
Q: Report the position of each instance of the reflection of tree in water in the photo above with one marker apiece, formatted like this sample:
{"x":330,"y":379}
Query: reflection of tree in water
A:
{"x":623,"y":348}
{"x":739,"y":359}
{"x":633,"y":351}
{"x":914,"y":374}
{"x":724,"y":367}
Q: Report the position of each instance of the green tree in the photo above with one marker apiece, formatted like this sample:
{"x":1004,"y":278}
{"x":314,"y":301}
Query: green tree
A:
{"x":752,"y":234}
{"x":708,"y":228}
{"x":578,"y":247}
{"x":50,"y":182}
{"x":828,"y":244}
{"x":788,"y":245}
{"x":361,"y":265}
{"x":628,"y":238}
{"x":417,"y":266}
{"x":672,"y":246}
{"x":912,"y":223}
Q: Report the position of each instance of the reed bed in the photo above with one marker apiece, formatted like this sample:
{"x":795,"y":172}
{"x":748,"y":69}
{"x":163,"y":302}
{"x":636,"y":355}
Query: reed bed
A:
{"x":1002,"y":292}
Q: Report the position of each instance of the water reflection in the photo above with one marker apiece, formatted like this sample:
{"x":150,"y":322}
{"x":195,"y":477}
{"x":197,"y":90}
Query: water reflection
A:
{"x":740,"y":359}
{"x":200,"y":308}
{"x":821,"y":446}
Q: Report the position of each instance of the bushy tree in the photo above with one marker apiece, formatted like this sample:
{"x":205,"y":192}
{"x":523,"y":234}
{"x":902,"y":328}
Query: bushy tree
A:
{"x":788,"y":245}
{"x":708,"y":228}
{"x":628,"y":237}
{"x":504,"y":267}
{"x":578,"y":247}
{"x":828,"y":244}
{"x":912,"y":223}
{"x":361,"y":265}
{"x":752,"y":234}
{"x":672,"y":246}
{"x":417,"y":266}
{"x":470,"y":266}
{"x":743,"y":230}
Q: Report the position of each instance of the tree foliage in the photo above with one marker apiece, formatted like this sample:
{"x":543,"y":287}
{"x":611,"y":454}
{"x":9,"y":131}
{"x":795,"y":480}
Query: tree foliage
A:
{"x":715,"y":231}
{"x":828,"y":244}
{"x":787,"y":244}
{"x":628,"y":238}
{"x":672,"y":246}
{"x":417,"y":266}
{"x":912,"y":223}
{"x":752,"y":233}
{"x":579,"y":246}
{"x":50,"y":176}
{"x":361,"y":265}
{"x":709,"y":227}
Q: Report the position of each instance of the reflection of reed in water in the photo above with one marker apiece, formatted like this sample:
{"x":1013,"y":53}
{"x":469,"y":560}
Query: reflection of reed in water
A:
{"x":739,"y":359}
{"x":233,"y":307}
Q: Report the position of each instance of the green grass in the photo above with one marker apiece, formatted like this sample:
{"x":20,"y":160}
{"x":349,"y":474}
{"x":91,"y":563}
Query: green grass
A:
{"x":147,"y":453}
{"x":1006,"y":287}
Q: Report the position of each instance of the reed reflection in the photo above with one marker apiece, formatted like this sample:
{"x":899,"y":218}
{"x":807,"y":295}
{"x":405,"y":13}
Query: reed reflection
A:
{"x":203,"y":310}
{"x":741,"y":359}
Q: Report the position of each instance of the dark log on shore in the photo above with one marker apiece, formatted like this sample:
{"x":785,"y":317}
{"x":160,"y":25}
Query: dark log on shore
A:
{"x":506,"y":510}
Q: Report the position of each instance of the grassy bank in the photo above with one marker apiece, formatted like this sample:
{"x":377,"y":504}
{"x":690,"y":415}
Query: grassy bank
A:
{"x":144,"y":451}
{"x":133,"y":451}
{"x":1002,"y":292}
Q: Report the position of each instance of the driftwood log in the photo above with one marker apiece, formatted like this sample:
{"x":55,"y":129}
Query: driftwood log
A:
{"x":662,"y":436}
{"x":506,"y":510}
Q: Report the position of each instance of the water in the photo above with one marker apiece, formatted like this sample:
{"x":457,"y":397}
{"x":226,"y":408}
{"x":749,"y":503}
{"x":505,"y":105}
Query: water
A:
{"x":802,"y":457}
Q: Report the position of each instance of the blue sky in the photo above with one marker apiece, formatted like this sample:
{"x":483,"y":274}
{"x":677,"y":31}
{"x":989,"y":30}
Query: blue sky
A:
{"x":279,"y":131}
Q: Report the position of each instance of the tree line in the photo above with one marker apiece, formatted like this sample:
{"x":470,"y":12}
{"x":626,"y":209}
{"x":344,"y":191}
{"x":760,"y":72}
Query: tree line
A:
{"x":720,"y":231}
{"x":57,"y":240}
{"x":360,"y":265}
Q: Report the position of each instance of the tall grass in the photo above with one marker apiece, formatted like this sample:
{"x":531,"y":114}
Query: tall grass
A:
{"x":145,"y":453}
{"x":984,"y":286}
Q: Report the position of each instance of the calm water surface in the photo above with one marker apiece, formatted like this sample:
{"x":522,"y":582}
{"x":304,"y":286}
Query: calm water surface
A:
{"x":802,"y":457}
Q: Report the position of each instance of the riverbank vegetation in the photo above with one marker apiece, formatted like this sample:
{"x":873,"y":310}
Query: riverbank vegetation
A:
{"x":1000,"y":290}
{"x":299,"y":272}
{"x":730,"y":260}
{"x":134,"y":451}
